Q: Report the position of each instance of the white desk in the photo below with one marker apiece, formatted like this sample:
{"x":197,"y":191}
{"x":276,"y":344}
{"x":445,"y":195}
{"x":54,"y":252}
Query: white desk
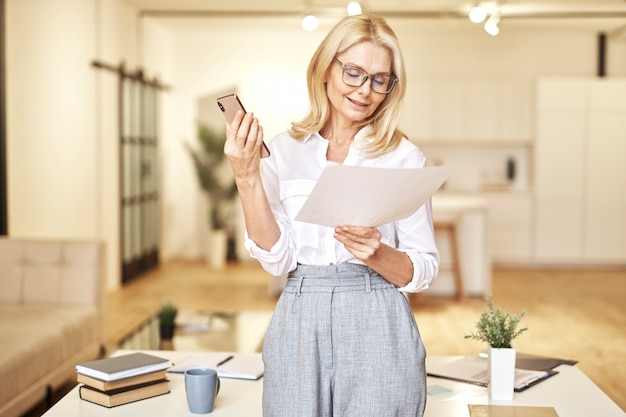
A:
{"x":570,"y":392}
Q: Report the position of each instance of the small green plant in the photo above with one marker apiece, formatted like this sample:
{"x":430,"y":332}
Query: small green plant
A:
{"x":167,"y":314}
{"x":497,"y":326}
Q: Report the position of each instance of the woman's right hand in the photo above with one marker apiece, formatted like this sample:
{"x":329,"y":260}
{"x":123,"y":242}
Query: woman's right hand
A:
{"x":244,"y":138}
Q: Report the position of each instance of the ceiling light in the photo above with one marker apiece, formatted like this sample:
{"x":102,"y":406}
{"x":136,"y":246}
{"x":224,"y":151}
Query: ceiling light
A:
{"x":310,"y":23}
{"x":491,"y":25}
{"x":477,"y":14}
{"x":354,"y":8}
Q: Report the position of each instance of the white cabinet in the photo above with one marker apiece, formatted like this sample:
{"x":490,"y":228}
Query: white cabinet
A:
{"x":482,"y":110}
{"x":510,"y":226}
{"x":605,"y":179}
{"x":580,"y":171}
{"x":515,"y":102}
{"x":474,"y":110}
{"x":559,"y":173}
{"x":450,"y":103}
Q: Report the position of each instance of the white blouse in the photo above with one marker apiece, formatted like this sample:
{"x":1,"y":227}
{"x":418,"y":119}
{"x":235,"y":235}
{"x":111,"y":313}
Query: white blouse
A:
{"x":290,"y":174}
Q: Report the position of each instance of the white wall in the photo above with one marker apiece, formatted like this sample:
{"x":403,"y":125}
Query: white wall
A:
{"x":116,"y":39}
{"x":267,"y":58}
{"x":52,"y":155}
{"x":62,"y":135}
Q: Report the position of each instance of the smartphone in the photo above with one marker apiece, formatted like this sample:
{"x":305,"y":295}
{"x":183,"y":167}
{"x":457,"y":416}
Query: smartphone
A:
{"x":229,"y":105}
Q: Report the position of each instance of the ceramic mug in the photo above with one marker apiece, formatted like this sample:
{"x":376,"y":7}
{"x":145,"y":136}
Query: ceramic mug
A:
{"x":201,"y":388}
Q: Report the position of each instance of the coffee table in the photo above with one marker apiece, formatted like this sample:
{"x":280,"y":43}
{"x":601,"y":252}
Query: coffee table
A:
{"x":571,"y":393}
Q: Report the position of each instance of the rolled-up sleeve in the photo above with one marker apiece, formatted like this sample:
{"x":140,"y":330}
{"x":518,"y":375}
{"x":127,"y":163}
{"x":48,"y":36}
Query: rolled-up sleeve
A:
{"x":416,"y":238}
{"x":276,"y":261}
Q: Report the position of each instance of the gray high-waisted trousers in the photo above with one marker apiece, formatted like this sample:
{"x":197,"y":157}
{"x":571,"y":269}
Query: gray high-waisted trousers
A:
{"x":343,"y":342}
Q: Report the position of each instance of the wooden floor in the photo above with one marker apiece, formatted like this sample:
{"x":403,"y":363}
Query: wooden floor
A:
{"x":576,"y":314}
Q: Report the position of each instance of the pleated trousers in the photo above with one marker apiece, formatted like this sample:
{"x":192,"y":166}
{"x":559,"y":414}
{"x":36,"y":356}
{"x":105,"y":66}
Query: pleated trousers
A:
{"x":343,"y":342}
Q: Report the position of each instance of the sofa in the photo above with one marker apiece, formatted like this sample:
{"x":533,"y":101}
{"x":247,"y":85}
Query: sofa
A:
{"x":51,"y":316}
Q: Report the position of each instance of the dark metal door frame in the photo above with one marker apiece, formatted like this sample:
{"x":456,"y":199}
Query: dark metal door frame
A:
{"x":139,"y":196}
{"x":4,"y":211}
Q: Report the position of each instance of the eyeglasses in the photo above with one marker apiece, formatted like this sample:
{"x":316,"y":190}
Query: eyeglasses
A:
{"x":356,"y":77}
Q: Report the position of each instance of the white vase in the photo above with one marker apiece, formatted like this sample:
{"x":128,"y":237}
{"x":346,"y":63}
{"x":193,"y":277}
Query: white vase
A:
{"x":217,"y":248}
{"x":501,"y":373}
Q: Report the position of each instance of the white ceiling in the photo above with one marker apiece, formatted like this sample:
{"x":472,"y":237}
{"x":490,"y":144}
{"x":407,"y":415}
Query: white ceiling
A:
{"x":382,"y":6}
{"x":605,"y":15}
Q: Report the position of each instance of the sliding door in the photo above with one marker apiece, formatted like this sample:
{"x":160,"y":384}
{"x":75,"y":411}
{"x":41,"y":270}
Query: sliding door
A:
{"x":139,"y":185}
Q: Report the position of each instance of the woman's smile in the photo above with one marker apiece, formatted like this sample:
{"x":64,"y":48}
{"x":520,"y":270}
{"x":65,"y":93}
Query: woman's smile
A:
{"x":358,"y":103}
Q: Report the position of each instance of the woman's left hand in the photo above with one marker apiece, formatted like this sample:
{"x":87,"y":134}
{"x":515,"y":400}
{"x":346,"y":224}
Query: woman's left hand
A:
{"x":361,"y":242}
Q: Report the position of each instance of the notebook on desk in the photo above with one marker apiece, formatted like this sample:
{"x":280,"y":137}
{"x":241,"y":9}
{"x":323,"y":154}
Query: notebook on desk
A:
{"x":227,"y":365}
{"x":473,"y":370}
{"x":120,"y":367}
{"x":540,"y":363}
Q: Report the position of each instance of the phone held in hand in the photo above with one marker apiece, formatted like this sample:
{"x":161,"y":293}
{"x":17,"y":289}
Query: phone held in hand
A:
{"x":229,"y":105}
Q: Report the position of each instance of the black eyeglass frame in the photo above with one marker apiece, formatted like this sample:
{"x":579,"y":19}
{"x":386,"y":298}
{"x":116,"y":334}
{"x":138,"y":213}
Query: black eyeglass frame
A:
{"x":393,"y":79}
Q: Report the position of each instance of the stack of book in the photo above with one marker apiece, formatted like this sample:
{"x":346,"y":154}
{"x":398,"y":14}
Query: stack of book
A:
{"x":122,"y":379}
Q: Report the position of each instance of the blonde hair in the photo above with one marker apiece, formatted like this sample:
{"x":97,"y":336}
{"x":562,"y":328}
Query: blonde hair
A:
{"x":350,"y":31}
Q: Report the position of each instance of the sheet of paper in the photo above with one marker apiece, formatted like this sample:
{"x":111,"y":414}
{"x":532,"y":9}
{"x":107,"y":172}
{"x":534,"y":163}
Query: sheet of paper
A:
{"x":227,"y":365}
{"x":204,"y":360}
{"x":364,"y":196}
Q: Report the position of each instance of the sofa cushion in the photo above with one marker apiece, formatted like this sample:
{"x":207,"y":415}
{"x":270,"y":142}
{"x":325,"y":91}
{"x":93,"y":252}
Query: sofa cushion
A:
{"x":41,"y":284}
{"x":12,"y":250}
{"x":43,"y":252}
{"x":51,"y":272}
{"x":79,"y":285}
{"x":81,"y":253}
{"x":37,"y":339}
{"x":11,"y":282}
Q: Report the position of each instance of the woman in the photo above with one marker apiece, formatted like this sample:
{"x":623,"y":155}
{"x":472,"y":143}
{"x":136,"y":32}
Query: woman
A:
{"x":343,"y":340}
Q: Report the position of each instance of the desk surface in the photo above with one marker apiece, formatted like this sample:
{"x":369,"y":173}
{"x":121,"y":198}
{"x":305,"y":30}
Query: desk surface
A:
{"x":570,"y":392}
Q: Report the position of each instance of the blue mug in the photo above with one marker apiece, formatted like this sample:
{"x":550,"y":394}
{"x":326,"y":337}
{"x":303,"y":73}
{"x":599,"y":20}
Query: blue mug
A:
{"x":201,"y":387}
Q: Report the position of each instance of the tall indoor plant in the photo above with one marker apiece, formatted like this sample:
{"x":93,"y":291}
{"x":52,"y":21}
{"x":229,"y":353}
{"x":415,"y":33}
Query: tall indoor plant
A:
{"x":499,"y":328}
{"x":218,"y":184}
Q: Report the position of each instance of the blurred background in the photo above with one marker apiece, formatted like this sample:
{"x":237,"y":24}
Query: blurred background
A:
{"x":101,"y":96}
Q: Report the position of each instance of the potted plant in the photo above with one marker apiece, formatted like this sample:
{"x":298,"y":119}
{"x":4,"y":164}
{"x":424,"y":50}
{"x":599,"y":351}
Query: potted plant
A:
{"x":499,"y":328}
{"x":167,"y":320}
{"x":218,"y":183}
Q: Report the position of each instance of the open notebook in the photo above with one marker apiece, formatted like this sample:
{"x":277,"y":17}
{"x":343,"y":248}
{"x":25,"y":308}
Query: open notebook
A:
{"x":228,"y":365}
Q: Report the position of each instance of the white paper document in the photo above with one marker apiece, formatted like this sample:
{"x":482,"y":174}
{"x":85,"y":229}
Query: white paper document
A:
{"x":365,"y":196}
{"x":227,"y":365}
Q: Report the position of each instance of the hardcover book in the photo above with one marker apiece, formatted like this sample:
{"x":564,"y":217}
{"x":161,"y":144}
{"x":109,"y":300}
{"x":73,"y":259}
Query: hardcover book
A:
{"x":125,"y":366}
{"x":124,"y":395}
{"x":120,"y":383}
